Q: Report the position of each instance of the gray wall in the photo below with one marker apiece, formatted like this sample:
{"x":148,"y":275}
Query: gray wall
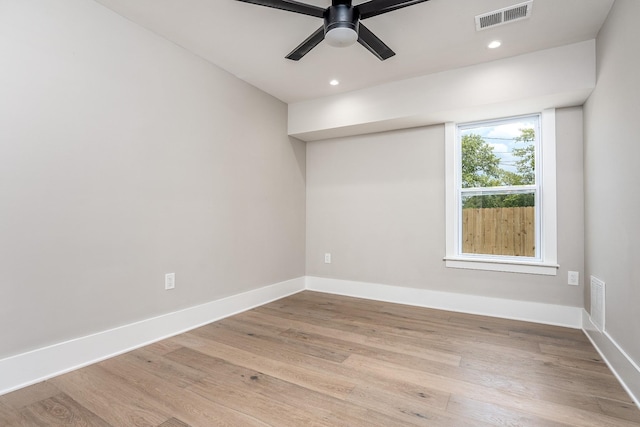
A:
{"x":376,"y":203}
{"x":122,"y":158}
{"x":612,"y":174}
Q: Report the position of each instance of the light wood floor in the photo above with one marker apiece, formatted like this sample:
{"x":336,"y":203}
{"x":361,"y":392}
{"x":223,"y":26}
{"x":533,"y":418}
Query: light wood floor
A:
{"x":322,"y":360}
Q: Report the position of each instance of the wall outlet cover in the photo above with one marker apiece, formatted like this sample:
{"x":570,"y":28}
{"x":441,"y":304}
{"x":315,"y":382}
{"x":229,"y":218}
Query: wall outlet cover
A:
{"x":169,"y":281}
{"x":573,"y":278}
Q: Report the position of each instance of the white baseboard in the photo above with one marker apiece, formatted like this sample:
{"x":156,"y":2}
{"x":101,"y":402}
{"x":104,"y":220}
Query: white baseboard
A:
{"x":623,"y":367}
{"x":38,"y":365}
{"x":550,"y":314}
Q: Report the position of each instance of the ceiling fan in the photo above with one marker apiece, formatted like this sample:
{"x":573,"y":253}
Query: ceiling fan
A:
{"x":342,"y":25}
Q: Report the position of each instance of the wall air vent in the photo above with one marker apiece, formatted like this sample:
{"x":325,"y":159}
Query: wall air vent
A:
{"x":597,"y":303}
{"x":503,"y":16}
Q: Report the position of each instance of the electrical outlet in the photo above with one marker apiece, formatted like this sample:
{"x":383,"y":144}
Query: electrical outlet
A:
{"x":169,"y":281}
{"x":327,"y":258}
{"x":573,"y":278}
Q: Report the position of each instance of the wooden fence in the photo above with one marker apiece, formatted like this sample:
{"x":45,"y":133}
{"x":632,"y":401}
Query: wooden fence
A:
{"x":499,"y":231}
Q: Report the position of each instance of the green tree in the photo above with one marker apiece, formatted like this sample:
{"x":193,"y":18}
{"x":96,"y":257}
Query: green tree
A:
{"x":485,"y":201}
{"x":526,"y":164}
{"x":480,"y":166}
{"x":525,"y":170}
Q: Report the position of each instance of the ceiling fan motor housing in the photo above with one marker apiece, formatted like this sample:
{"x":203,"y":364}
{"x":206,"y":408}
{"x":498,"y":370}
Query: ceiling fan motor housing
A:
{"x":341,"y":25}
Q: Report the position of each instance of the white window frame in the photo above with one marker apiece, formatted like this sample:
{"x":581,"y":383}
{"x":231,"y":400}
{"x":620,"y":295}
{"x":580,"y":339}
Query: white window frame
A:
{"x":546,"y":262}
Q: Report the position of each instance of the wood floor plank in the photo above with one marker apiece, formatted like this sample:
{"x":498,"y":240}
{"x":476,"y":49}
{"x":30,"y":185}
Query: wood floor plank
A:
{"x":394,"y":324}
{"x":408,"y":404}
{"x":339,"y":327}
{"x":262,"y":407}
{"x":327,"y":360}
{"x":321,"y":367}
{"x":538,"y":373}
{"x":428,"y":399}
{"x":256,"y":360}
{"x":180,"y":403}
{"x":539,"y":332}
{"x":446,"y":337}
{"x":178,"y":375}
{"x":497,"y":415}
{"x":548,"y":410}
{"x":174,"y":422}
{"x":288,"y":322}
{"x":454,"y":339}
{"x":576,"y":339}
{"x":10,"y":417}
{"x":527,"y":359}
{"x":338,"y":411}
{"x":162,"y":347}
{"x":29,"y":395}
{"x":390,"y":352}
{"x":589,"y":354}
{"x":443,"y":350}
{"x":112,"y":400}
{"x":257,"y":331}
{"x":311,"y":364}
{"x":499,"y":376}
{"x":625,"y":410}
{"x":60,"y":410}
{"x":422,"y":351}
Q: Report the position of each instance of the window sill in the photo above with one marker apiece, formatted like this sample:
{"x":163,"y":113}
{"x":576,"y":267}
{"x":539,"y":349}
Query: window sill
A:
{"x":526,"y":267}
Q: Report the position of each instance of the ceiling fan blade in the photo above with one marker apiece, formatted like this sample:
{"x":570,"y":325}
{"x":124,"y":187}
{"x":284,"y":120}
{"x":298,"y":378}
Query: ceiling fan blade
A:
{"x":290,"y":6}
{"x":376,"y":46}
{"x":378,"y":7}
{"x":304,"y":48}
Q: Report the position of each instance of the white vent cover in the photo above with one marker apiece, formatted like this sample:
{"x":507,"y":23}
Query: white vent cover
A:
{"x":504,"y":16}
{"x":597,"y":303}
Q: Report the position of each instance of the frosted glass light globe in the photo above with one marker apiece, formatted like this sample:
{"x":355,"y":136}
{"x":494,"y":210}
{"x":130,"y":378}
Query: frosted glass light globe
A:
{"x":341,"y":37}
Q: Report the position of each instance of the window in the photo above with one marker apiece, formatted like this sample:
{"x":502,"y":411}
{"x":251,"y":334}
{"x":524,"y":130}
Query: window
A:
{"x":501,"y":196}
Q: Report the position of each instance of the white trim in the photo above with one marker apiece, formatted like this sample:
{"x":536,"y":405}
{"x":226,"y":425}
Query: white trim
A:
{"x":38,"y":365}
{"x":623,"y":367}
{"x":548,"y":202}
{"x":503,"y":265}
{"x":451,"y":156}
{"x":547,"y":208}
{"x":550,"y":314}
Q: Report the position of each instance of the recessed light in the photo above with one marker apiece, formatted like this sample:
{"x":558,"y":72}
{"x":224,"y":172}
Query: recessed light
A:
{"x":494,"y":44}
{"x":334,"y":82}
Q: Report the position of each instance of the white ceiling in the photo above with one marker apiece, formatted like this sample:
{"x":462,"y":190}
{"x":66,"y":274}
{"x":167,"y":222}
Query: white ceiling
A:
{"x":251,"y":41}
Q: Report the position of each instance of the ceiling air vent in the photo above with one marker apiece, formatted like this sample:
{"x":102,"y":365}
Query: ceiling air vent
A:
{"x":504,"y":16}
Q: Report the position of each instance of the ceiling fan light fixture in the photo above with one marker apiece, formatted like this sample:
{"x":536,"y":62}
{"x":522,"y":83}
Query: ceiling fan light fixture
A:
{"x":341,"y":25}
{"x":341,"y":37}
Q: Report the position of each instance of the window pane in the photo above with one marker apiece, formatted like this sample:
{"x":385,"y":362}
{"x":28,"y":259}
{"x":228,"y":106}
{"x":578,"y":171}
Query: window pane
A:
{"x":499,"y":223}
{"x":498,"y":154}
